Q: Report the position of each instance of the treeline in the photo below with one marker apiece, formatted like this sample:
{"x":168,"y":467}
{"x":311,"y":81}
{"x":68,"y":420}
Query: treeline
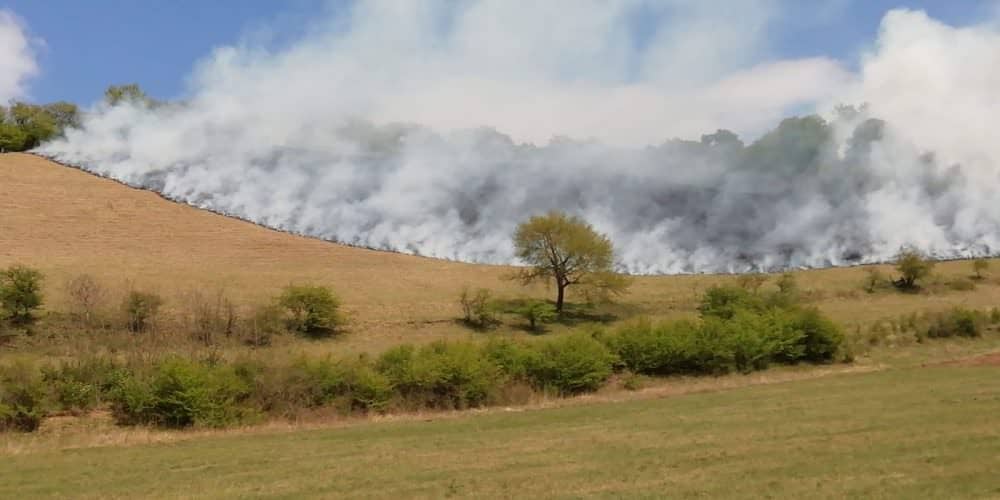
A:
{"x":24,"y":126}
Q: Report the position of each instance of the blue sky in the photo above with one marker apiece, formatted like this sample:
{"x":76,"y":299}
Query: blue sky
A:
{"x":90,"y":44}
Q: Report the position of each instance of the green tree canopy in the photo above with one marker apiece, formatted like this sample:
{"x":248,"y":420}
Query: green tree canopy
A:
{"x":20,"y":292}
{"x":912,"y":267}
{"x":129,"y":92}
{"x":568,"y":251}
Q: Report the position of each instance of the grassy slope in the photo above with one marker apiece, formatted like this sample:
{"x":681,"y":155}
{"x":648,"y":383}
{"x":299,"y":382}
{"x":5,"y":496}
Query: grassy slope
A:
{"x":67,"y":222}
{"x":904,"y":433}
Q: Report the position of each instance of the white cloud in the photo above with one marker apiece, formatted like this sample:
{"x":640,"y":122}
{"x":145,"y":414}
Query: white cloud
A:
{"x":17,"y":58}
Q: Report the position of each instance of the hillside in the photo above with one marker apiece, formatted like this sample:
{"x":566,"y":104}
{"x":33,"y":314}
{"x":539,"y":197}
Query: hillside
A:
{"x":67,"y":222}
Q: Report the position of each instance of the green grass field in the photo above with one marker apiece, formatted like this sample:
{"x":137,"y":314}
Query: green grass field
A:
{"x":929,"y":432}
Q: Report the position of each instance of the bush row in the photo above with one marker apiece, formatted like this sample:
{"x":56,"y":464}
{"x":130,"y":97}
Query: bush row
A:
{"x":178,"y":392}
{"x":312,"y":311}
{"x":739,"y":330}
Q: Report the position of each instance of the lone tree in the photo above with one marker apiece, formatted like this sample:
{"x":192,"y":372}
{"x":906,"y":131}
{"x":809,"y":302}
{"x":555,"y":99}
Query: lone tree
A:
{"x":314,"y":310}
{"x":568,"y":251}
{"x":913,"y":267}
{"x":20,"y":293}
{"x":979,"y":266}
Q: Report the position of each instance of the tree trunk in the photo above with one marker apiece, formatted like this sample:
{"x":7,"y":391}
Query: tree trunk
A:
{"x":559,"y":298}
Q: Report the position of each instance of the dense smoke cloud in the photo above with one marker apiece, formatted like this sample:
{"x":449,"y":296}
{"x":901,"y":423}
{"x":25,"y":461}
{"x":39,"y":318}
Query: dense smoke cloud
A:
{"x":17,"y":58}
{"x":310,"y":139}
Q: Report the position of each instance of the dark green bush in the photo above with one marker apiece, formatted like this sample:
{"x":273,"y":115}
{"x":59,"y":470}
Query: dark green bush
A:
{"x":535,"y":312}
{"x":311,"y":383}
{"x":313,"y":310}
{"x":181,"y":393}
{"x":515,"y":359}
{"x":140,"y":309}
{"x":572,"y":364}
{"x":913,"y":267}
{"x":957,"y":322}
{"x":441,"y":374}
{"x":723,"y":302}
{"x":370,"y":390}
{"x":20,"y":293}
{"x":80,"y":385}
{"x":730,"y":337}
{"x":742,"y":343}
{"x":22,"y":398}
{"x":822,"y":338}
{"x":663,"y":349}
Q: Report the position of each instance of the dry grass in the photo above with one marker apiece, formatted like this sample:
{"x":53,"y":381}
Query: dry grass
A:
{"x":67,"y":222}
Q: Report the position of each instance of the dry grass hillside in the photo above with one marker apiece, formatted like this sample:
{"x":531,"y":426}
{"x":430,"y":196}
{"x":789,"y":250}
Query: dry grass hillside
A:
{"x":67,"y":222}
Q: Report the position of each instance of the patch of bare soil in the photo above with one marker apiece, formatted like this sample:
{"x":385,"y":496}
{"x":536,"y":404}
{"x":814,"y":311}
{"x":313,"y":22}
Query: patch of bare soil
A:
{"x":992,"y":359}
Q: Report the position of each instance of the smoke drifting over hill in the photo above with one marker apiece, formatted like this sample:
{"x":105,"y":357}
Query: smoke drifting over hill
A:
{"x":316,"y":139}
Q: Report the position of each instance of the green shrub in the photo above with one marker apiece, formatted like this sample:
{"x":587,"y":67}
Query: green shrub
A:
{"x":22,"y":398}
{"x":313,"y":310}
{"x":132,"y":401}
{"x":263,"y":324}
{"x":957,"y":322}
{"x":369,"y":389}
{"x":822,"y":338}
{"x":572,"y":364}
{"x":742,"y":343}
{"x":311,"y":383}
{"x":80,"y":385}
{"x":397,"y":364}
{"x":140,"y":309}
{"x":479,"y":310}
{"x":723,"y":302}
{"x":181,"y":393}
{"x":788,"y":293}
{"x":980,"y":266}
{"x":912,"y":267}
{"x":748,"y":340}
{"x":663,"y":349}
{"x":514,"y":359}
{"x":535,"y":312}
{"x":20,"y":293}
{"x":441,"y":374}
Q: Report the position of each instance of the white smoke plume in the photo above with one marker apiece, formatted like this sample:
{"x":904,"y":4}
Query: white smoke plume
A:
{"x":17,"y":57}
{"x":369,"y":131}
